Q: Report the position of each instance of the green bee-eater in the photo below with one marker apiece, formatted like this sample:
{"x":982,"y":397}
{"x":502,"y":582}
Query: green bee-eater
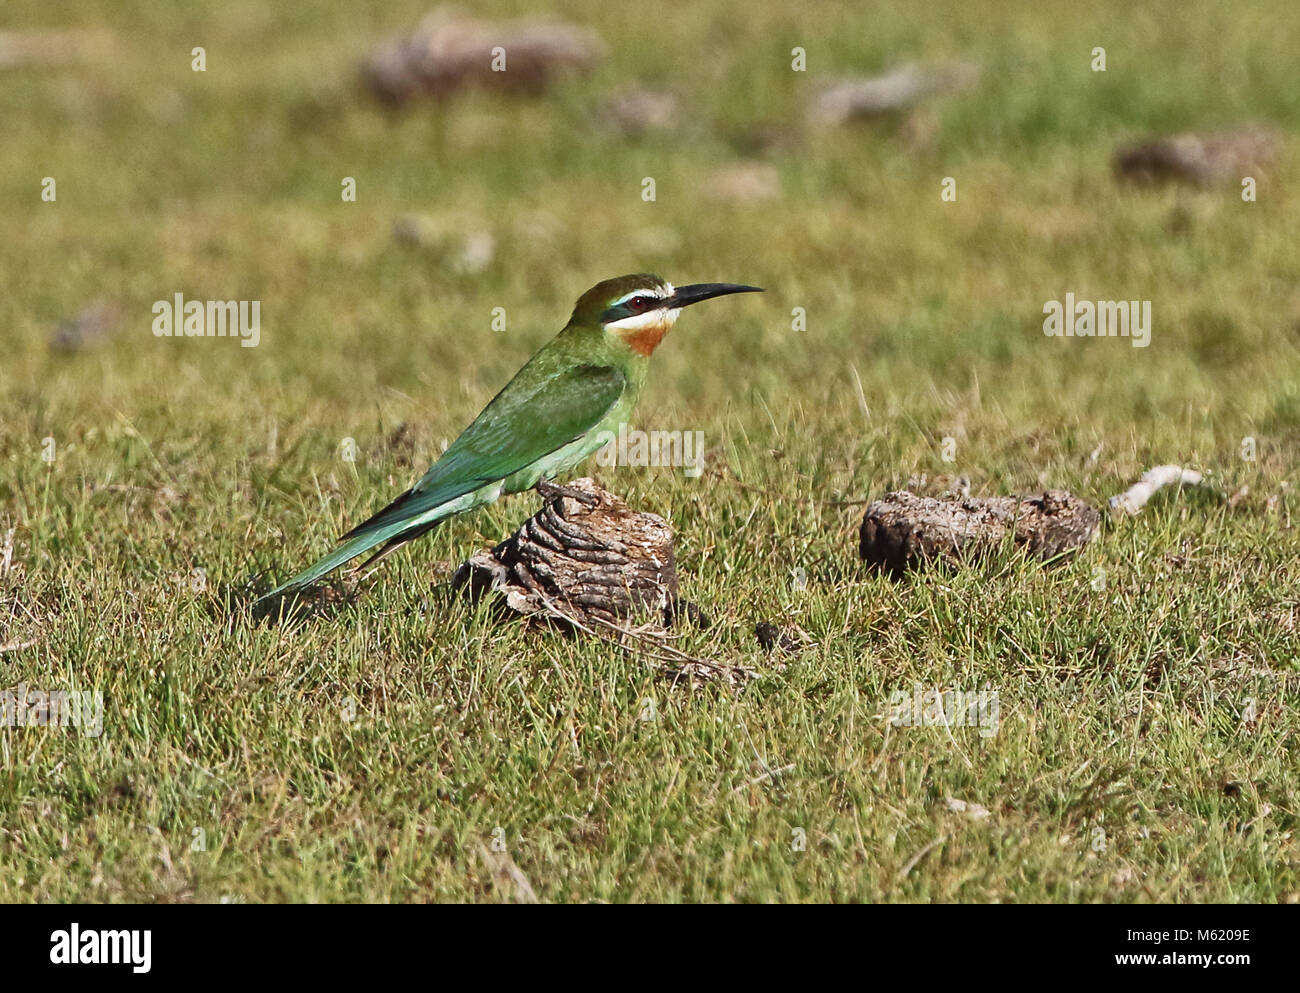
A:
{"x":552,"y":415}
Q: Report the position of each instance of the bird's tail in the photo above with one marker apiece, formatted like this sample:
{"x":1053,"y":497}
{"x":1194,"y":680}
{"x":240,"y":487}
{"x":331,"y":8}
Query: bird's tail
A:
{"x":346,"y":552}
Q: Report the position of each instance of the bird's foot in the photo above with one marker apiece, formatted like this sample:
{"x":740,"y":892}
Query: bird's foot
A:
{"x":549,"y":491}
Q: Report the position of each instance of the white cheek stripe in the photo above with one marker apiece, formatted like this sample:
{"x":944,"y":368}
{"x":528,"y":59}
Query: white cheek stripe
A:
{"x":641,"y":322}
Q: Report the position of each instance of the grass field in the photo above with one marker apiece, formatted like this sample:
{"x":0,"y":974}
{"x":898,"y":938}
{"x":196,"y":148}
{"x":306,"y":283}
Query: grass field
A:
{"x":1146,"y":748}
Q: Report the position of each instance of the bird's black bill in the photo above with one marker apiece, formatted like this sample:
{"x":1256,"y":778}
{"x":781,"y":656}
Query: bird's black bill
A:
{"x":684,"y":296}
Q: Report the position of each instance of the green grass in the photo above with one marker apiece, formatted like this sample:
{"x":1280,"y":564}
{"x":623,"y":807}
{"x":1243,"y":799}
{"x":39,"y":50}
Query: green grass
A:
{"x":1120,"y":707}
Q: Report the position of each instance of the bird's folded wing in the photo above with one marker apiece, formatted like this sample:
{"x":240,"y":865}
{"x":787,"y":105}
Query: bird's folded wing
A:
{"x":521,"y":425}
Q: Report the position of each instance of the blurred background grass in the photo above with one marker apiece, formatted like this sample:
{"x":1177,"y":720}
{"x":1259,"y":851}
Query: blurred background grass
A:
{"x":226,"y":184}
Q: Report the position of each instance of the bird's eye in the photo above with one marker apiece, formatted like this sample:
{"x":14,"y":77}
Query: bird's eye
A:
{"x":638,"y":304}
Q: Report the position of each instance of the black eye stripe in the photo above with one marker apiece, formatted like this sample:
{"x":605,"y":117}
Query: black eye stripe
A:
{"x":629,"y":307}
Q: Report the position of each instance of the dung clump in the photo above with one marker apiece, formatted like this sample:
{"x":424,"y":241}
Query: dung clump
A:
{"x":904,"y":531}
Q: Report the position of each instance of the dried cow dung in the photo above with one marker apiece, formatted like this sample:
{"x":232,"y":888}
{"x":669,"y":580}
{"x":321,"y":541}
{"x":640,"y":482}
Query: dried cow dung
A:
{"x":450,"y":50}
{"x":903,"y":530}
{"x":770,"y":638}
{"x":634,"y":111}
{"x":898,"y":90}
{"x":586,"y":553}
{"x":91,"y":326}
{"x":1201,"y":160}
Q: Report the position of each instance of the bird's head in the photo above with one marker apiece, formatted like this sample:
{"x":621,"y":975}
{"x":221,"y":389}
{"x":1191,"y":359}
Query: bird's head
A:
{"x":640,"y":309}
